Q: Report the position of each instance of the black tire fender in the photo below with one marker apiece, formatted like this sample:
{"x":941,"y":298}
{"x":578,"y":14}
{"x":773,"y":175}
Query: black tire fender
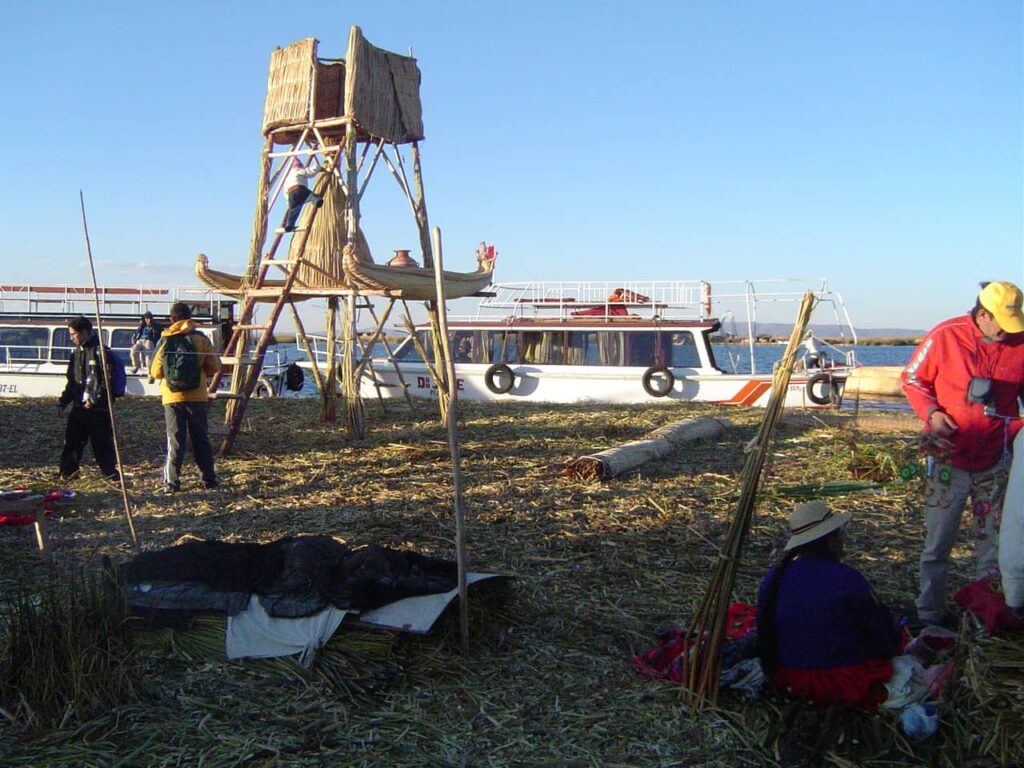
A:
{"x":499,"y":379}
{"x":264,"y":389}
{"x":658,"y":381}
{"x":814,"y":381}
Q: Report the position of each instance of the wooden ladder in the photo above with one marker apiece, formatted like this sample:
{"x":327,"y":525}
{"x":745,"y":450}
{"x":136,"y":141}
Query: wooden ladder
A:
{"x":234,"y":350}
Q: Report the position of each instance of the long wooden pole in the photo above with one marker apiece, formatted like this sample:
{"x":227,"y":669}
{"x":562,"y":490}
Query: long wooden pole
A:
{"x":106,"y":376}
{"x":453,"y":443}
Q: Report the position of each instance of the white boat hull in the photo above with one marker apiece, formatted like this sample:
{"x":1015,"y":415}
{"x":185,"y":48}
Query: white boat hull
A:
{"x":589,"y":384}
{"x":48,"y":380}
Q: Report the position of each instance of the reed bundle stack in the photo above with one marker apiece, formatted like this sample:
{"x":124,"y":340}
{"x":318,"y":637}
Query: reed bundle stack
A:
{"x":706,"y":636}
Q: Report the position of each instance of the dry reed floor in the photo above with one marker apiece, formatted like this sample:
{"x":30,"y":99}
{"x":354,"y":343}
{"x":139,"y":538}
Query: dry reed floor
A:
{"x":600,"y":568}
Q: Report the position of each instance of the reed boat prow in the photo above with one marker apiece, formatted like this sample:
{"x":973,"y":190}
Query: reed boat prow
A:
{"x":414,"y":282}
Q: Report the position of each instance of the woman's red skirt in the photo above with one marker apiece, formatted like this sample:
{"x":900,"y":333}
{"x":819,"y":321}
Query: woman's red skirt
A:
{"x":857,"y":685}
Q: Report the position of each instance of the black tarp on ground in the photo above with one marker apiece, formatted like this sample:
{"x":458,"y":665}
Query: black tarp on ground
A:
{"x":294,"y":576}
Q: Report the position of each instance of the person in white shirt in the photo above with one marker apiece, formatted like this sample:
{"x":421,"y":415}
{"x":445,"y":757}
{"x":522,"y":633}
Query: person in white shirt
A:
{"x":812,"y":356}
{"x":295,"y":185}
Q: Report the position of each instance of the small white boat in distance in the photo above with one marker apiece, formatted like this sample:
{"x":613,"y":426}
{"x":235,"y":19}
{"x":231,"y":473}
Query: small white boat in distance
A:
{"x":34,"y":343}
{"x":612,"y":342}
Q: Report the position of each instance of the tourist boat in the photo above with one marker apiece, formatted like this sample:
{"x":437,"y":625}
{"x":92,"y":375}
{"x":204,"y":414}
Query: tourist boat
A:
{"x":34,"y":343}
{"x":612,"y":342}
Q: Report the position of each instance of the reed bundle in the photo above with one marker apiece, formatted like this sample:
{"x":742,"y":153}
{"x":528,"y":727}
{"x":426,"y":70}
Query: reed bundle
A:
{"x":706,"y":634}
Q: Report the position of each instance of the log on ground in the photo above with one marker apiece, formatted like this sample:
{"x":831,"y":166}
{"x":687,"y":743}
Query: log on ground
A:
{"x":657,"y":444}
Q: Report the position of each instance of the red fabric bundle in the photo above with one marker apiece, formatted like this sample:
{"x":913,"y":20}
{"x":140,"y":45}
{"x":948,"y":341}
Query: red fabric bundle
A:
{"x":984,"y":598}
{"x":857,"y":685}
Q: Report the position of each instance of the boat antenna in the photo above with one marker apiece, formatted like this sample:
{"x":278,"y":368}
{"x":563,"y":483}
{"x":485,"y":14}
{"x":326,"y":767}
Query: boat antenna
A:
{"x":106,"y":375}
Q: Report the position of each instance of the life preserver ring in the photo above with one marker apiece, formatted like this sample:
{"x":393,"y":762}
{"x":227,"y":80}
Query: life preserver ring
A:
{"x":813,"y":382}
{"x":264,"y":389}
{"x":658,"y":381}
{"x":499,"y":378}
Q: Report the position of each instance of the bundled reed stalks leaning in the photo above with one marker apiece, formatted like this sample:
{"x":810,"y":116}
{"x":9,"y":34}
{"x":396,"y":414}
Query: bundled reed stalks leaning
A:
{"x":706,"y":635}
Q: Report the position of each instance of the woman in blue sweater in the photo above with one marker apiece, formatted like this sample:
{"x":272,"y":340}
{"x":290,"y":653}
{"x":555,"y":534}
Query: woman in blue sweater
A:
{"x":823,"y":633}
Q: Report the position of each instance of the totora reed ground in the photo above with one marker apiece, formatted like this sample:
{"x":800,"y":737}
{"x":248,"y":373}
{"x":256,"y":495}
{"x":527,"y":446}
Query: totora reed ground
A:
{"x":600,"y":569}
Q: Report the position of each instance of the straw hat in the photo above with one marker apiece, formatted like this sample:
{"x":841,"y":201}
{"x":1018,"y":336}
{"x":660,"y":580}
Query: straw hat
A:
{"x":813,"y":520}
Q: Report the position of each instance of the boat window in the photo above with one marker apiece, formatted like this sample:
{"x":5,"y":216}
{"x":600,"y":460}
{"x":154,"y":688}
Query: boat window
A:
{"x":542,"y":347}
{"x":648,"y":348}
{"x":122,"y":339}
{"x":610,"y":348}
{"x":462,"y":346}
{"x":22,"y":344}
{"x":407,"y":352}
{"x":504,"y":346}
{"x":582,"y":348}
{"x":684,"y":351}
{"x":61,"y":346}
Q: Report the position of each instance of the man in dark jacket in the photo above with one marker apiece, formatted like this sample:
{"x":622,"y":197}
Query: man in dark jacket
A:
{"x":86,"y":393}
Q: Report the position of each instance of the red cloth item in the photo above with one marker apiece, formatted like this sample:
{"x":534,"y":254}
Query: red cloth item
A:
{"x":857,"y":685}
{"x":984,"y":598}
{"x":741,"y":621}
{"x":665,"y":660}
{"x":47,"y":502}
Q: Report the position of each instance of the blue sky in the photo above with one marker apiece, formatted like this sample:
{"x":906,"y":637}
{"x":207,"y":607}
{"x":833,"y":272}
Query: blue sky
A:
{"x":878,"y":144}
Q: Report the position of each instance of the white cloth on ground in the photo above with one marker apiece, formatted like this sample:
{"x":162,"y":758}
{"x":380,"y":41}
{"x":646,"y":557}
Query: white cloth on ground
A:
{"x":253,"y":633}
{"x":1011,"y":531}
{"x":906,"y":684}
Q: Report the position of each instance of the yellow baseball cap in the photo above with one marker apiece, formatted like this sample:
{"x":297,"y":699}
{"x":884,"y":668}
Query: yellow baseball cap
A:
{"x":1003,"y":301}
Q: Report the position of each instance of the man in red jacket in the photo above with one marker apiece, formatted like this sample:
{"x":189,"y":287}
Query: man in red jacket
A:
{"x":966,"y":381}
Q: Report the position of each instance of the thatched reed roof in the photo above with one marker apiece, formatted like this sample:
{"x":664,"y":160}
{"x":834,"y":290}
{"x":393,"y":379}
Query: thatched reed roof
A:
{"x":288,"y":85}
{"x":377,"y":89}
{"x":382,"y":91}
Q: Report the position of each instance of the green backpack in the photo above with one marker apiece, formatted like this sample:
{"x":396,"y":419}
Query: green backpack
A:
{"x":182,"y":369}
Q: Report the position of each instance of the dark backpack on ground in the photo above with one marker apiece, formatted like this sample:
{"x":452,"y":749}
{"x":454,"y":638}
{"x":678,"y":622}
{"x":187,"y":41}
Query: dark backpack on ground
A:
{"x":182,"y":368}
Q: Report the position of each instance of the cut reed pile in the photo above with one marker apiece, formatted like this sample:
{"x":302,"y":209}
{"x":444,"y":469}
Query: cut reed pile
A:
{"x":601,"y":569}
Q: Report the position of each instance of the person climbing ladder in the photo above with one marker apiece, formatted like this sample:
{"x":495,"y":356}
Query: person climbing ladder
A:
{"x":295,"y":185}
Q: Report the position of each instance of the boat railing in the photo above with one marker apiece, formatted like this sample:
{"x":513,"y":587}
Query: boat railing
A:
{"x":654,"y":299}
{"x":70,"y":299}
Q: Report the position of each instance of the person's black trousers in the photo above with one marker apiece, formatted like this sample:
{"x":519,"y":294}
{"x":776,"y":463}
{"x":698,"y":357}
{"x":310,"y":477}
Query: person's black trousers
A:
{"x":88,"y":425}
{"x":184,"y":419}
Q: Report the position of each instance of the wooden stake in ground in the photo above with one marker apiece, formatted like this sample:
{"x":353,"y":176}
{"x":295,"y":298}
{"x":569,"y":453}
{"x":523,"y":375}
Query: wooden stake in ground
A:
{"x":106,"y":376}
{"x":706,"y":634}
{"x":453,"y":443}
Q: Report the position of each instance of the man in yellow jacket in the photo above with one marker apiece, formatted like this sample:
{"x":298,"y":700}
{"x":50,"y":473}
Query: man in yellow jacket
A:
{"x":183,"y":361}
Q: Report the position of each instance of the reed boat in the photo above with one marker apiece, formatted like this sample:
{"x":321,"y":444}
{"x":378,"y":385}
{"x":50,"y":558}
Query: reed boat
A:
{"x":876,"y":380}
{"x":606,"y":342}
{"x":34,"y":342}
{"x":403,"y":278}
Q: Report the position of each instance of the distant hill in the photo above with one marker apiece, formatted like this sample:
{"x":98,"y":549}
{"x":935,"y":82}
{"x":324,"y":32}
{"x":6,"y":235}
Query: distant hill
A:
{"x":782,"y":331}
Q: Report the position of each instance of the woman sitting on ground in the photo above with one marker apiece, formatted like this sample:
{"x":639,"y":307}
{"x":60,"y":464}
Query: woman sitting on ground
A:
{"x":823,"y":634}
